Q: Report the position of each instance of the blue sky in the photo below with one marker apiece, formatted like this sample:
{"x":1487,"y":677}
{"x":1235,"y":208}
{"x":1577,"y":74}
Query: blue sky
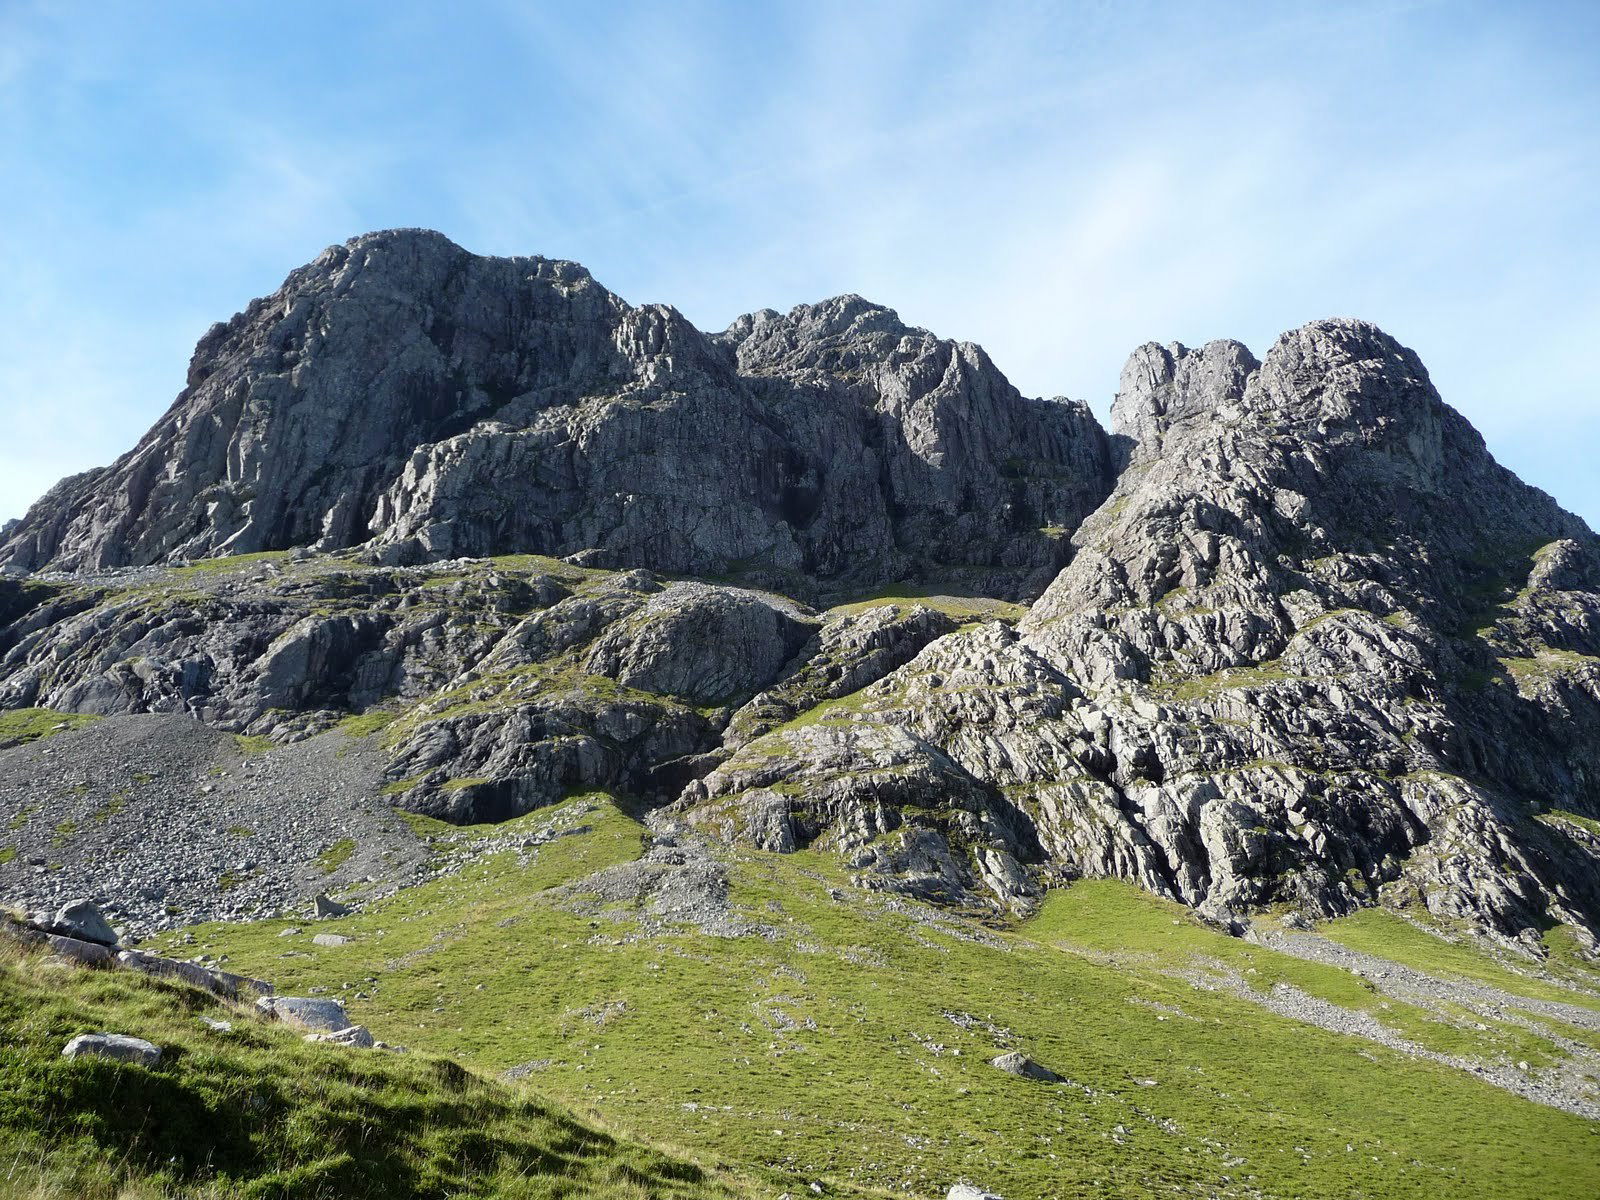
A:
{"x":1059,"y":182}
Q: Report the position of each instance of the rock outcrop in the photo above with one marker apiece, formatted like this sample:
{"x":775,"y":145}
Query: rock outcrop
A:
{"x":404,"y":394}
{"x":1316,"y":646}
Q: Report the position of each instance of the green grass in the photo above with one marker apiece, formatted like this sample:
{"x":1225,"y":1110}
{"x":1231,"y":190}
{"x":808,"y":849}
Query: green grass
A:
{"x":1201,"y":687}
{"x":254,"y":743}
{"x":336,"y":855}
{"x":1376,"y":931}
{"x":21,"y":725}
{"x":826,"y":1052}
{"x":962,"y":608}
{"x":368,"y":723}
{"x":1559,"y":816}
{"x":229,"y":564}
{"x":257,"y":1113}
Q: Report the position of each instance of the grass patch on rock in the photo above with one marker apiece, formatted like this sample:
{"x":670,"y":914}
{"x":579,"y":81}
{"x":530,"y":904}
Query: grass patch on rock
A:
{"x":19,"y":726}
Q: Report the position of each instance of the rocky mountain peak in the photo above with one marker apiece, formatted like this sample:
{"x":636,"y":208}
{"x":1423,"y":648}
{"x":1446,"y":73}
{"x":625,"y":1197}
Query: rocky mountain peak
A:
{"x":1301,"y":640}
{"x":402,"y":394}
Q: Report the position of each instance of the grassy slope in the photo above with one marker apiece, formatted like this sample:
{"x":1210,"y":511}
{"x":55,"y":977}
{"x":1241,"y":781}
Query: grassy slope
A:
{"x":827,"y":1052}
{"x":1377,"y":931}
{"x":256,"y":1112}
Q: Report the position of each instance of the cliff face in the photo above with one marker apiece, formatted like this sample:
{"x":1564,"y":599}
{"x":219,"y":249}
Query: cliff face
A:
{"x":1311,"y":645}
{"x":1316,"y":644}
{"x":403,"y":394}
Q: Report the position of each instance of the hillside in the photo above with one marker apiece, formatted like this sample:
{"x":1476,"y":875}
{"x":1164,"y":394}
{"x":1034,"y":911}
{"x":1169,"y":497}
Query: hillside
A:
{"x":742,"y":739}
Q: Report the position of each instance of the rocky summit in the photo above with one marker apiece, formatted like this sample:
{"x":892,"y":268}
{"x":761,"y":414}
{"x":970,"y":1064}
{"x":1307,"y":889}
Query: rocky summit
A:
{"x":405,"y":396}
{"x":440,"y":563}
{"x":1295,"y":637}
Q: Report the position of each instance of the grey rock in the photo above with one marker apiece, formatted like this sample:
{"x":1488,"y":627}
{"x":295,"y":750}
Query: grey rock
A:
{"x":403,"y":394}
{"x":1316,"y":648}
{"x":330,"y":939}
{"x":356,"y":1036}
{"x":323,"y":906}
{"x":219,"y":983}
{"x":965,"y":1191}
{"x":81,"y":953}
{"x":1016,"y":1063}
{"x":116,"y":1046}
{"x":83,"y":920}
{"x":317,"y":1014}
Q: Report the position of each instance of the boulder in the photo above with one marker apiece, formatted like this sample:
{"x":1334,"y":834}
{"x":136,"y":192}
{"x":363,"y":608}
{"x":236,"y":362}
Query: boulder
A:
{"x":1016,"y":1063}
{"x":965,"y":1191}
{"x":325,"y":906}
{"x":357,"y":1036}
{"x":81,"y":953}
{"x":330,"y":939}
{"x":83,"y":920}
{"x":113,"y":1045}
{"x":318,"y":1014}
{"x":218,"y":983}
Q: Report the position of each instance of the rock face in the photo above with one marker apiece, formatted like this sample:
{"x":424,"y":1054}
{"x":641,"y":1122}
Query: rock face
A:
{"x":402,"y":393}
{"x":1315,"y":647}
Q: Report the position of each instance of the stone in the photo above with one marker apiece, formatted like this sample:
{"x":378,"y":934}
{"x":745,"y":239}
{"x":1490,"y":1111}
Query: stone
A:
{"x":83,"y":920}
{"x":965,"y":1191}
{"x":1235,"y":683}
{"x":116,"y":1046}
{"x":81,"y":953}
{"x":324,"y":906}
{"x":1261,"y":670}
{"x":219,"y":983}
{"x":329,"y":939}
{"x":353,"y":1035}
{"x":1016,"y":1063}
{"x":318,"y":1014}
{"x":169,"y":968}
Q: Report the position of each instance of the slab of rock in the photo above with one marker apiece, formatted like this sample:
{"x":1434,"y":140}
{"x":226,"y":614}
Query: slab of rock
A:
{"x":113,"y":1045}
{"x":1016,"y":1063}
{"x":357,"y":1036}
{"x":965,"y":1191}
{"x":318,"y":1014}
{"x":16,"y":931}
{"x":218,"y":983}
{"x":83,"y":920}
{"x":81,"y":953}
{"x":330,"y":939}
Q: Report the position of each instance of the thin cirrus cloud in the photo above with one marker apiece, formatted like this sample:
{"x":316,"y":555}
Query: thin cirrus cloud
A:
{"x":1059,"y":182}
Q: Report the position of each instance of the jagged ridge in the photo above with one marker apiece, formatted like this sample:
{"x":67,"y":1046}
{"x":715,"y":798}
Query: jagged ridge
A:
{"x":404,"y":394}
{"x":1316,"y":647}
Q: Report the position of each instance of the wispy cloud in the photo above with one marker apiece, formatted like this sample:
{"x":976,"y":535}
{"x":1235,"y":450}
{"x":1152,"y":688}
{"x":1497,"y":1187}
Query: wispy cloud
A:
{"x":1058,"y":182}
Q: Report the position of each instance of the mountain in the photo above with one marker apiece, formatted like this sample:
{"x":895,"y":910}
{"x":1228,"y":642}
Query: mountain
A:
{"x":402,"y":394}
{"x":702,"y":683}
{"x":1316,"y":647}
